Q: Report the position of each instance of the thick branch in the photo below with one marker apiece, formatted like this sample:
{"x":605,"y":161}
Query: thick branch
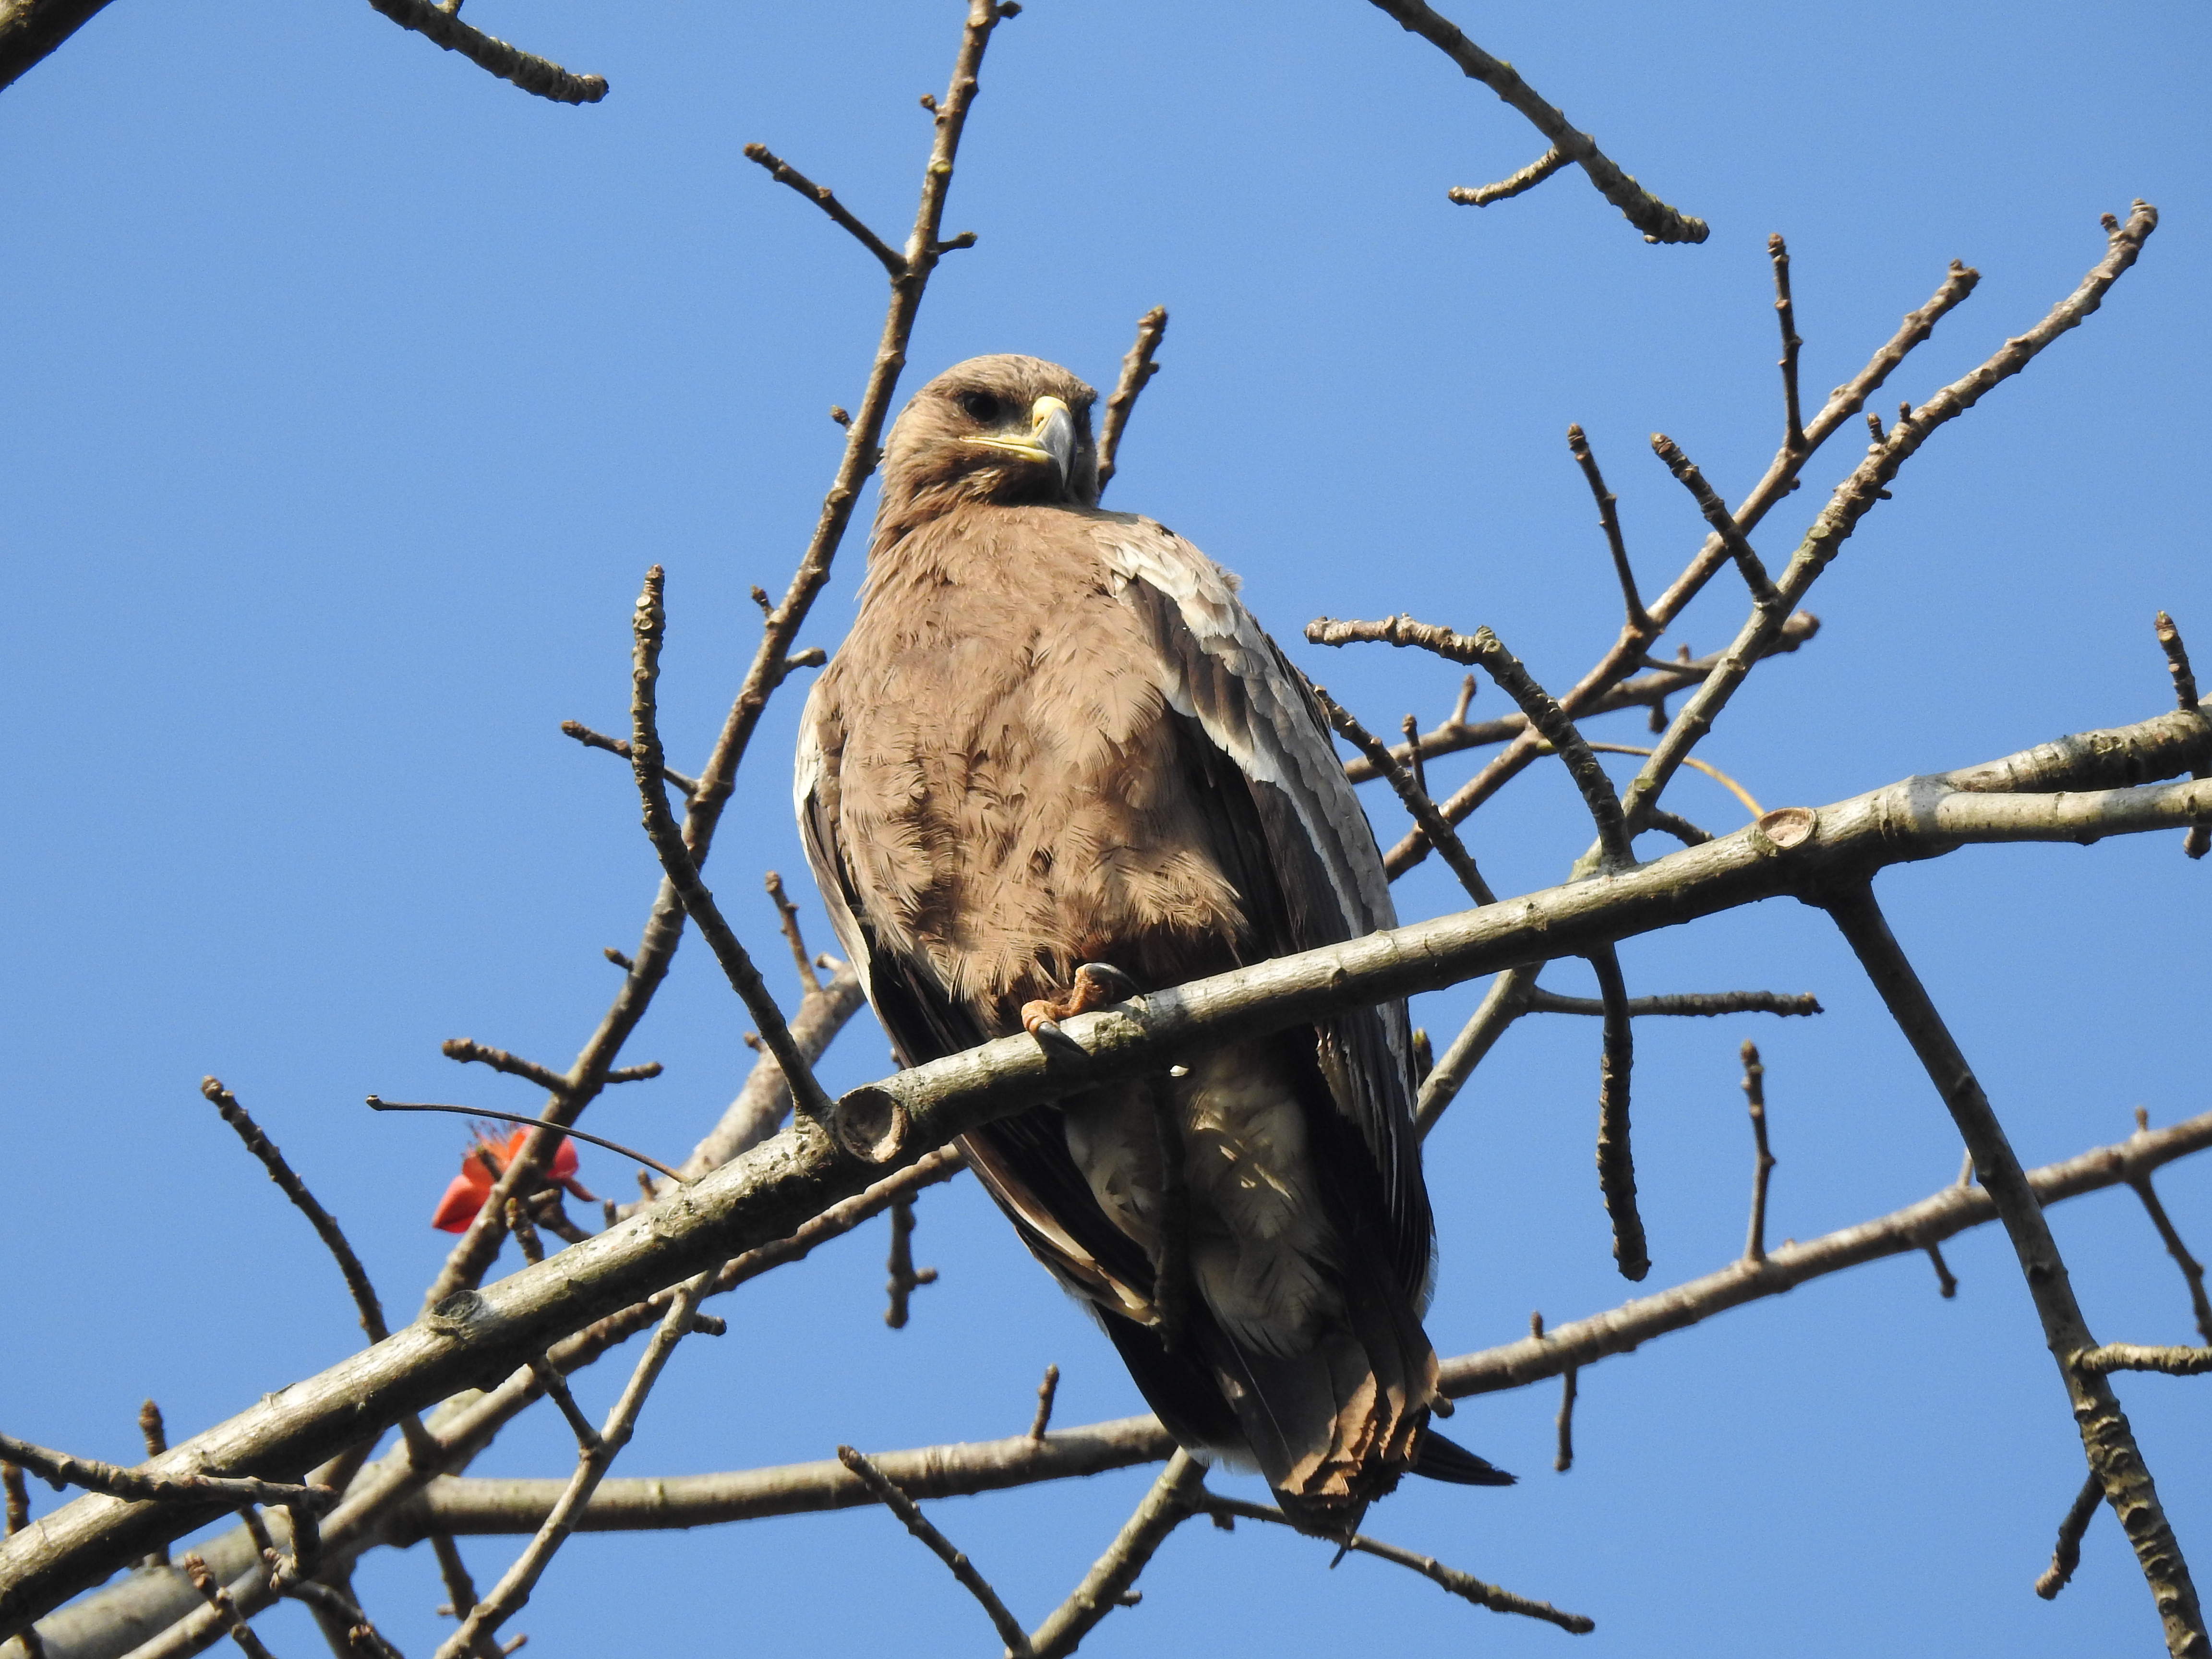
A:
{"x":474,"y":1504}
{"x":1658,"y":221}
{"x":776,"y":1191}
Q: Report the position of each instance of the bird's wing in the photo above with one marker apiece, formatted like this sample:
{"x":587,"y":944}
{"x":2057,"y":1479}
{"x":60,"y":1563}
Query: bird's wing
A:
{"x":1023,"y":1161}
{"x":1311,"y":874}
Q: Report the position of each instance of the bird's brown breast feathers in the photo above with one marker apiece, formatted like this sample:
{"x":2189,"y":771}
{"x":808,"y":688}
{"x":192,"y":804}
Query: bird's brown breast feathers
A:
{"x":1008,"y":790}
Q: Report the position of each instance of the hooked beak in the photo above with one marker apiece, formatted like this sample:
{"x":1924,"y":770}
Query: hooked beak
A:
{"x":1051,"y":437}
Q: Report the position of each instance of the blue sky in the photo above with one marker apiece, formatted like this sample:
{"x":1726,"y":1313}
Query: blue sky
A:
{"x":349,"y":392}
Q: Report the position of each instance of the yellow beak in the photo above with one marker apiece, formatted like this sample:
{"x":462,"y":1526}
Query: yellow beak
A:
{"x":1051,"y":437}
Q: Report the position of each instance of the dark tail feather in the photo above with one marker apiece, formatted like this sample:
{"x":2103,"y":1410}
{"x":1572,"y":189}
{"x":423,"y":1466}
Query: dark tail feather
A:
{"x":1438,"y":1459}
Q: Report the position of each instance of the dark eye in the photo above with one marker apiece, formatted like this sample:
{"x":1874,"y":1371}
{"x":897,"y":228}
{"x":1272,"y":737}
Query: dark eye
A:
{"x":982,"y":407}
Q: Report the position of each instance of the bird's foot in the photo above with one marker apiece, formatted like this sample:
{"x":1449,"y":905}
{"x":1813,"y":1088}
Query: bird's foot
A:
{"x":1097,"y":985}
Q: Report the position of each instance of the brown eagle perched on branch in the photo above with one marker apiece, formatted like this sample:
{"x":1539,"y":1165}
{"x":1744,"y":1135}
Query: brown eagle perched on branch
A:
{"x":1056,"y":765}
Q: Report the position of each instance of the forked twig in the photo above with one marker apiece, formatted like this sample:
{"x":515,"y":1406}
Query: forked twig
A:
{"x":2106,"y":1437}
{"x":1658,"y":221}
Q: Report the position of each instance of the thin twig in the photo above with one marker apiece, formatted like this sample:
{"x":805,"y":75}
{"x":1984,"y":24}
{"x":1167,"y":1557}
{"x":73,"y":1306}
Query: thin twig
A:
{"x":1616,"y":1163}
{"x":532,"y":74}
{"x":326,"y":1228}
{"x":2136,"y":1356}
{"x":378,"y":1103}
{"x":226,"y":1611}
{"x":1701,"y":1004}
{"x":784,"y":173}
{"x":2067,"y":1555}
{"x":1505,"y":1001}
{"x":1513,"y":184}
{"x":786,"y":915}
{"x":155,"y":1434}
{"x":59,"y":1469}
{"x":1947,"y":1287}
{"x":1762,"y":1162}
{"x":1792,"y":428}
{"x":649,"y":626}
{"x":1413,"y":794}
{"x":1137,"y":371}
{"x":1658,"y":221}
{"x":1647,"y":691}
{"x":2106,"y":1438}
{"x":1717,"y":514}
{"x":592,"y":1460}
{"x":467,"y":1050}
{"x":1463,"y":1585}
{"x":1483,"y":649}
{"x":2191,"y":1272}
{"x":2198,"y":840}
{"x":904,"y":1279}
{"x":18,"y":1497}
{"x":591,"y":739}
{"x":1570,"y":1387}
{"x":1608,"y":518}
{"x":1046,"y":1391}
{"x":886,"y":1493}
{"x":1165,"y":1506}
{"x":587,"y":1433}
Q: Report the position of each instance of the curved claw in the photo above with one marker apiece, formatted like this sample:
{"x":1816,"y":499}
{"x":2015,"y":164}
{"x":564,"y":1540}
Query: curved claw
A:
{"x":1097,"y":983}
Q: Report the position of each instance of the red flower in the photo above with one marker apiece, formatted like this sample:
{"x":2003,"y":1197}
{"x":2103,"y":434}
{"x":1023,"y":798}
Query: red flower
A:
{"x":484,"y":1157}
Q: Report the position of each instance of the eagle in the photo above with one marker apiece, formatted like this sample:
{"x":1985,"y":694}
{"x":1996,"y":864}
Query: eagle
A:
{"x":1057,"y":764}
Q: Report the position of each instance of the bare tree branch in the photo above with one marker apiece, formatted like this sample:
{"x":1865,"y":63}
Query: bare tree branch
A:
{"x":1627,"y":652}
{"x":773,"y":660}
{"x":1658,"y":221}
{"x":775,"y":1192}
{"x":1171,"y":1502}
{"x":2067,"y":1555}
{"x":886,"y":1493}
{"x":1648,"y":690}
{"x":325,"y":1223}
{"x":1137,"y":371}
{"x":532,"y":74}
{"x":676,"y":861}
{"x":2106,"y":1437}
{"x":1857,"y":495}
{"x":1466,"y":1586}
{"x":593,"y":1456}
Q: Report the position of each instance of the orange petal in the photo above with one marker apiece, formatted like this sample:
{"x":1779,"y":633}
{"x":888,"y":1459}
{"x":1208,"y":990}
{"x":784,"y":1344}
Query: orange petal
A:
{"x":462,"y":1200}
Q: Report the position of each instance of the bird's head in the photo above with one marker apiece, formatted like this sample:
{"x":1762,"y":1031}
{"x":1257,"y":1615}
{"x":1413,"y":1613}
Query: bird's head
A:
{"x":1002,"y":428}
